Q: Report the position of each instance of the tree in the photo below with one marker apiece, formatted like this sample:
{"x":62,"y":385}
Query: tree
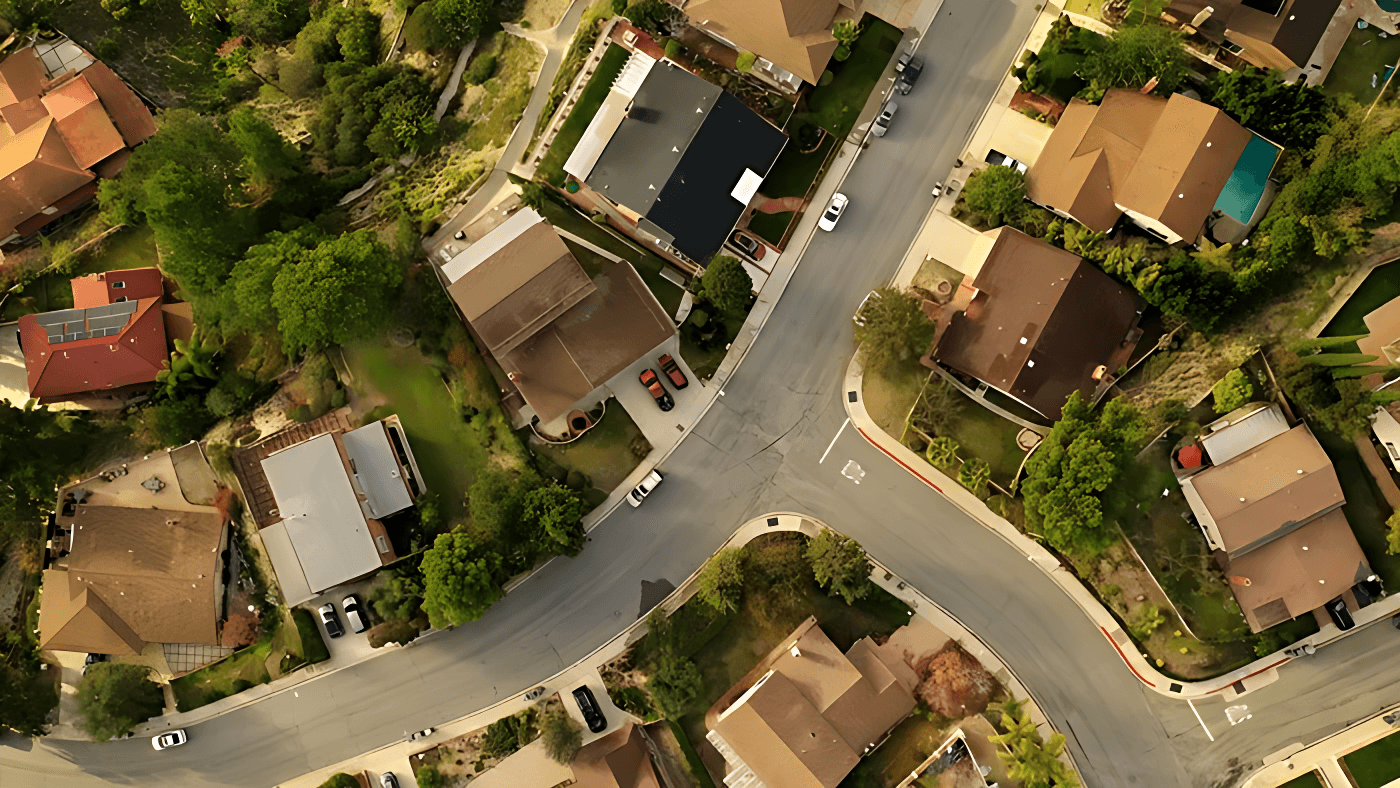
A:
{"x":423,"y":32}
{"x":1294,"y":115}
{"x":174,"y":422}
{"x":399,"y":597}
{"x":429,"y":777}
{"x":532,"y":195}
{"x":997,"y":194}
{"x":335,"y":292}
{"x":461,"y":20}
{"x":942,"y":452}
{"x":1232,"y":391}
{"x":496,"y":500}
{"x":460,"y":580}
{"x":29,"y":478}
{"x":895,"y":328}
{"x":115,"y":697}
{"x":1343,"y":406}
{"x":1144,"y":620}
{"x":727,"y":285}
{"x":556,"y":514}
{"x":1392,"y":533}
{"x":1134,"y":55}
{"x":561,"y":734}
{"x":954,"y":684}
{"x":386,"y":632}
{"x":268,"y":158}
{"x":268,"y":21}
{"x":846,"y":31}
{"x":384,"y":111}
{"x":343,"y":780}
{"x":26,"y":693}
{"x":1029,"y":760}
{"x":744,"y":62}
{"x":721,"y":581}
{"x":840,"y":565}
{"x":240,"y":630}
{"x":507,"y":735}
{"x":675,"y":682}
{"x":779,"y":566}
{"x":203,"y":13}
{"x":974,"y":475}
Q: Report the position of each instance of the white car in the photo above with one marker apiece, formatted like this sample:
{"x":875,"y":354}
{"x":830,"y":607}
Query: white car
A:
{"x":833,"y":212}
{"x":641,"y":491}
{"x":171,"y":739}
{"x":882,"y":122}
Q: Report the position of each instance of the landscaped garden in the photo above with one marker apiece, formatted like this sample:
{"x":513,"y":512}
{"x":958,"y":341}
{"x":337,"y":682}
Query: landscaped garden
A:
{"x":599,"y":461}
{"x":792,"y":176}
{"x":1377,"y":764}
{"x":281,"y":650}
{"x":836,"y":105}
{"x":590,"y":98}
{"x":1367,"y":55}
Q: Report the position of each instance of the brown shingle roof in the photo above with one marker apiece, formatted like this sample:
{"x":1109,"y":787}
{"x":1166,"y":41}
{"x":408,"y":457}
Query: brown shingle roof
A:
{"x":83,"y":122}
{"x":1043,"y":319}
{"x":794,"y":34}
{"x":1383,"y":341}
{"x":618,"y":760}
{"x":36,"y":171}
{"x":21,"y":77}
{"x":1298,"y":572}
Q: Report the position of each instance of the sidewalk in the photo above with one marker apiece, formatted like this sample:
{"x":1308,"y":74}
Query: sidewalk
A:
{"x":1257,"y":674}
{"x":1322,"y":756}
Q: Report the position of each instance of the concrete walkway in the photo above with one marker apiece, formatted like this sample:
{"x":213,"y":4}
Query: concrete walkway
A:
{"x":453,"y":82}
{"x":1322,"y":756}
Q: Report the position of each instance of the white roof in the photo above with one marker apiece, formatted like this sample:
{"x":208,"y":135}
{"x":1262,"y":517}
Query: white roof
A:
{"x":491,"y":243}
{"x":598,"y":134}
{"x":747,"y":186}
{"x":1233,"y":438}
{"x":1387,"y":431}
{"x":377,"y":469}
{"x":633,"y":74}
{"x":285,"y":563}
{"x":321,"y":514}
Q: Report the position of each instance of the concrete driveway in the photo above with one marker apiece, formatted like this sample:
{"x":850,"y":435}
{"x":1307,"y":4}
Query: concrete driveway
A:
{"x":662,"y":428}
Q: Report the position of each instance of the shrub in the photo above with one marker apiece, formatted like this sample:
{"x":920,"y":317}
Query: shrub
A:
{"x":1232,"y":391}
{"x":430,"y":777}
{"x":674,"y":48}
{"x":954,"y":684}
{"x":298,"y":76}
{"x":745,"y":62}
{"x":343,"y":780}
{"x":1392,"y":534}
{"x":1144,"y":620}
{"x":401,"y":632}
{"x":422,"y":30}
{"x":721,"y":580}
{"x":826,"y":78}
{"x":562,"y":735}
{"x":481,"y":69}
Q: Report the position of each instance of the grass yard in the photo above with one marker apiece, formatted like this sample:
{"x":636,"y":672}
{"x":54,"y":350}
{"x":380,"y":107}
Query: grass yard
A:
{"x":450,"y":450}
{"x":1366,"y":508}
{"x":1381,"y":286}
{"x":494,"y":107}
{"x":704,"y":357}
{"x":910,"y":744}
{"x":1365,"y":54}
{"x":291,"y":647}
{"x":791,"y":176}
{"x":1375,"y":765}
{"x":604,"y":455}
{"x":1309,"y":780}
{"x":312,"y":645}
{"x":889,"y":394}
{"x":551,"y":168}
{"x":128,"y":248}
{"x":648,"y":265}
{"x":836,"y":106}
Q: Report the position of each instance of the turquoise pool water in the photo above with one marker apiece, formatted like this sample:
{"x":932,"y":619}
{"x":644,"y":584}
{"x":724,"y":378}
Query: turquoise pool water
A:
{"x":1389,"y":6}
{"x":1243,"y":191}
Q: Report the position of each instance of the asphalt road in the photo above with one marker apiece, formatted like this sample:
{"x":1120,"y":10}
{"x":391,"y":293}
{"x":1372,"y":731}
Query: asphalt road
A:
{"x":756,"y":451}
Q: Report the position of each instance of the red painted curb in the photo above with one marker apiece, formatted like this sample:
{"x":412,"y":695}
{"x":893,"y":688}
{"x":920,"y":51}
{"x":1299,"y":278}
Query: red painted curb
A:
{"x":1124,"y":656}
{"x":902,"y":463}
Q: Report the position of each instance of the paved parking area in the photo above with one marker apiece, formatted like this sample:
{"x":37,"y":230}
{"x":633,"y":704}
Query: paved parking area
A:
{"x":663,"y":429}
{"x":350,"y":647}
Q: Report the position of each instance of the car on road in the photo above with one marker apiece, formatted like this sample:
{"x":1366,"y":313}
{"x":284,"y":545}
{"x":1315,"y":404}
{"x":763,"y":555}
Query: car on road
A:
{"x":354,"y":614}
{"x":909,"y":67}
{"x":537,"y":691}
{"x":673,"y":371}
{"x":169,"y":739}
{"x":331,"y":620}
{"x":592,"y":715}
{"x":641,"y":491}
{"x":882,"y":121}
{"x":388,"y":780}
{"x":1337,"y":609}
{"x":658,"y":392}
{"x":833,"y":212}
{"x":749,"y":246}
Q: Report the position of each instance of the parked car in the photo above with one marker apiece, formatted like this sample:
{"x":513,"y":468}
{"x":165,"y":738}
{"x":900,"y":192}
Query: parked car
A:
{"x":938,"y":189}
{"x":1368,"y":591}
{"x":1337,"y":609}
{"x":673,"y":371}
{"x":537,"y":691}
{"x":833,"y":212}
{"x":749,"y":246}
{"x":445,"y":254}
{"x":331,"y":620}
{"x":910,"y":66}
{"x":460,"y":235}
{"x":592,"y":715}
{"x":354,"y":614}
{"x":388,"y":780}
{"x":658,"y":392}
{"x":169,"y":739}
{"x":641,"y":491}
{"x":423,"y":734}
{"x":92,"y":659}
{"x":882,"y":122}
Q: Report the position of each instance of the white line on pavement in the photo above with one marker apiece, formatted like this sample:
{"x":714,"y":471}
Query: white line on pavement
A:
{"x":833,"y":441}
{"x":1198,"y":719}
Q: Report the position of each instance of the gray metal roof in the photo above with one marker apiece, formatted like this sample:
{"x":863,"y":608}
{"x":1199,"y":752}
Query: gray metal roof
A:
{"x":377,"y":469}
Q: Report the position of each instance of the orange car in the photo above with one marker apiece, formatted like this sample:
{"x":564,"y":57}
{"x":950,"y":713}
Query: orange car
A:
{"x":673,"y":371}
{"x":658,"y":392}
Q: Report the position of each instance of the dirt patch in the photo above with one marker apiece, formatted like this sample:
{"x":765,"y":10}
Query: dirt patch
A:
{"x":461,"y":760}
{"x":780,"y":204}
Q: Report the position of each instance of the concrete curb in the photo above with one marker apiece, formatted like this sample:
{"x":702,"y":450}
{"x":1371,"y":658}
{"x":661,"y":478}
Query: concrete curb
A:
{"x":1237,"y":681}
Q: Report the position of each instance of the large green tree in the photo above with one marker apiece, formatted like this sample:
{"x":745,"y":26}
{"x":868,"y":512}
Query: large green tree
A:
{"x":335,"y":292}
{"x":997,"y":194}
{"x":115,"y":697}
{"x":562,"y":735}
{"x":268,"y":158}
{"x":40,"y":449}
{"x":895,"y":328}
{"x":721,"y":581}
{"x":840,"y":565}
{"x":727,"y":285}
{"x":1029,"y":759}
{"x":268,"y":21}
{"x":383,"y":111}
{"x":1232,"y":391}
{"x":249,"y":293}
{"x":556,"y":515}
{"x":1293,"y":114}
{"x":461,"y":580}
{"x":675,"y":682}
{"x":1134,"y":55}
{"x":461,"y":20}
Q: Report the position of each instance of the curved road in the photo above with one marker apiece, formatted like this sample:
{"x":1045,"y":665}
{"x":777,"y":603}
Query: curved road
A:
{"x":758,"y":450}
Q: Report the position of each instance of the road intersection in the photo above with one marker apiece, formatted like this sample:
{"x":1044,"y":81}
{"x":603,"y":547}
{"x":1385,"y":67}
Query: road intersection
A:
{"x":777,"y":442}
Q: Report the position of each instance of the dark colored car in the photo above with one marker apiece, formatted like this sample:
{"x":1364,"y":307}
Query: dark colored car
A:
{"x":909,"y":67}
{"x":658,"y":392}
{"x":592,"y":715}
{"x":1337,"y":609}
{"x":92,"y":659}
{"x":673,"y":371}
{"x":331,"y":620}
{"x":1368,"y":591}
{"x":749,"y":246}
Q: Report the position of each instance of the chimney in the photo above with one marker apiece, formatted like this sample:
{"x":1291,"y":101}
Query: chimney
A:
{"x":1199,"y":19}
{"x":1236,"y":580}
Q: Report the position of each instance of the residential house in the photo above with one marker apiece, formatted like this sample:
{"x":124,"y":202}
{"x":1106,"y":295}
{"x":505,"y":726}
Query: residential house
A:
{"x":1383,"y":342}
{"x":559,"y":336}
{"x":1043,"y":323}
{"x":807,"y":720}
{"x":791,"y":39}
{"x":620,"y":759}
{"x":320,"y":493}
{"x":676,"y":157}
{"x":1268,"y":501}
{"x":1167,"y":164}
{"x":64,"y":123}
{"x":110,"y":345}
{"x":1278,"y":34}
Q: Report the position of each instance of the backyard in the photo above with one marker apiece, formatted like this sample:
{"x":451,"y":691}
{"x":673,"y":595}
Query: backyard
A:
{"x":836,"y":105}
{"x":1376,"y":765}
{"x":605,"y":455}
{"x":791,"y":176}
{"x":1365,"y":55}
{"x":127,"y":248}
{"x":1366,"y":508}
{"x":590,"y":98}
{"x":1381,"y":286}
{"x":1309,"y":780}
{"x":909,"y":744}
{"x":283,"y":649}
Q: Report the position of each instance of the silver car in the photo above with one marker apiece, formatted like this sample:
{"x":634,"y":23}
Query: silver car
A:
{"x":641,"y":491}
{"x":882,"y":122}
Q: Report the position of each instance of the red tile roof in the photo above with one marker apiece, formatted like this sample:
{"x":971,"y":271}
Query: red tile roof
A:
{"x":132,"y":118}
{"x":36,"y":171}
{"x":83,"y":122}
{"x":105,"y":288}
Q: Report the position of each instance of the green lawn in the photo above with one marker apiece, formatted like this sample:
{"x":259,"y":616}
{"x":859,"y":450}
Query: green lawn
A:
{"x":128,"y":248}
{"x":910,"y":744}
{"x":604,"y":454}
{"x":1365,"y":54}
{"x":704,"y":360}
{"x":312,"y":645}
{"x":836,"y":106}
{"x":551,"y":168}
{"x":648,"y":265}
{"x":1377,"y":764}
{"x":450,"y":450}
{"x":1366,"y":508}
{"x":1381,"y":286}
{"x":1309,"y":780}
{"x":981,"y":433}
{"x":771,"y":227}
{"x":495,"y":113}
{"x":791,"y":176}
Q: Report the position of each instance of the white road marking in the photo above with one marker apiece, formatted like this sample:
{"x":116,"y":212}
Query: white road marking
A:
{"x":1198,"y":719}
{"x":853,"y":471}
{"x":1238,"y":714}
{"x":833,"y":441}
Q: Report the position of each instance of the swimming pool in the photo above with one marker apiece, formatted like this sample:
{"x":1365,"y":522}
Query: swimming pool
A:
{"x":1245,"y":188}
{"x":1389,"y":6}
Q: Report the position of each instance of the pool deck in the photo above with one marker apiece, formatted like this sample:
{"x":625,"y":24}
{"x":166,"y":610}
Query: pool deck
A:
{"x":1320,"y":64}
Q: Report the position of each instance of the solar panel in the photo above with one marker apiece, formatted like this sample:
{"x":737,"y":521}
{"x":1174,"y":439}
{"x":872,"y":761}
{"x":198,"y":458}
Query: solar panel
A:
{"x":61,"y":316}
{"x":123,"y":308}
{"x":71,"y":325}
{"x":106,"y":321}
